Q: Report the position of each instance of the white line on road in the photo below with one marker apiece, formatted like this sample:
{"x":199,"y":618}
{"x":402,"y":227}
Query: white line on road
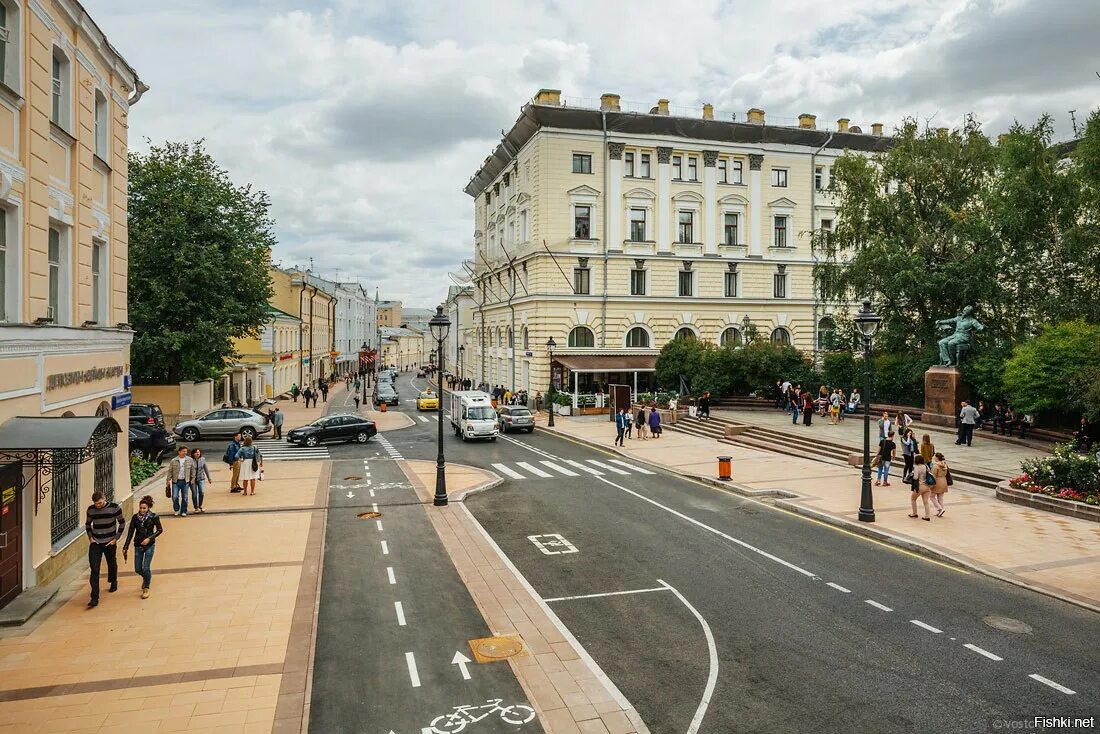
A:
{"x":838,"y":587}
{"x":638,"y":469}
{"x":414,"y":677}
{"x":374,"y":506}
{"x":606,"y":593}
{"x":379,"y":524}
{"x":876,"y":605}
{"x":385,"y":548}
{"x":584,"y":468}
{"x":980,"y":651}
{"x":372,"y":493}
{"x":533,"y":469}
{"x":1052,"y":684}
{"x":612,"y":469}
{"x":400,"y":613}
{"x":509,"y":472}
{"x":712,"y":676}
{"x":928,"y":627}
{"x":558,"y":468}
{"x":422,"y":419}
{"x":390,"y":576}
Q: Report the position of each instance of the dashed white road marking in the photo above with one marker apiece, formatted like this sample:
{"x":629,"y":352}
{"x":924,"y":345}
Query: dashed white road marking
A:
{"x":390,"y":576}
{"x":612,"y":469}
{"x":508,"y":472}
{"x":559,"y":468}
{"x":1052,"y":684}
{"x":582,"y":467}
{"x":980,"y":651}
{"x":533,"y":469}
{"x":372,"y":493}
{"x":422,"y":419}
{"x":379,"y":524}
{"x":374,"y":506}
{"x":400,"y":613}
{"x":606,"y":593}
{"x":385,"y":548}
{"x":632,"y":467}
{"x":838,"y":587}
{"x":928,"y":627}
{"x":414,"y":677}
{"x":876,"y":605}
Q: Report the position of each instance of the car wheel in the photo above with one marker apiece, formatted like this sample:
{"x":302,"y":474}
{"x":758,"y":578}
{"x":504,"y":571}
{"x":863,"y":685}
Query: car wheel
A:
{"x":311,"y":441}
{"x":530,"y":430}
{"x":362,"y":437}
{"x":137,"y":454}
{"x":493,"y":439}
{"x":190,"y":434}
{"x":248,"y":432}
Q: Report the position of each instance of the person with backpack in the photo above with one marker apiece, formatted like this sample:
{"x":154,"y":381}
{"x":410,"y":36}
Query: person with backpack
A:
{"x":145,"y":527}
{"x":887,"y":449}
{"x":294,"y":391}
{"x":252,"y":466}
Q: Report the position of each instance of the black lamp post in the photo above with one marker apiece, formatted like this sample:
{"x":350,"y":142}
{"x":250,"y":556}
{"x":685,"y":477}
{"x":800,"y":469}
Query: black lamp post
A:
{"x":867,"y":322}
{"x":550,"y":344}
{"x":440,"y":325}
{"x":363,"y":374}
{"x":746,"y":324}
{"x":461,"y":361}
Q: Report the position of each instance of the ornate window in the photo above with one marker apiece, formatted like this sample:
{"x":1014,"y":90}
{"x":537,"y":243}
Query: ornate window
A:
{"x":781,"y":336}
{"x":684,"y":333}
{"x":61,"y":90}
{"x":65,"y":492}
{"x":582,"y":336}
{"x":637,"y":338}
{"x":731,"y":337}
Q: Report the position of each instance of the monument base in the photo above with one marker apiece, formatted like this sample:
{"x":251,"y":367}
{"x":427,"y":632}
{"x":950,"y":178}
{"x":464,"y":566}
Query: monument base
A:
{"x":944,"y":389}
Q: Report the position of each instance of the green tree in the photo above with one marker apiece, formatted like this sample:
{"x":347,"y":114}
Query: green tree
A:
{"x":678,"y":358}
{"x":1045,"y":374}
{"x":199,"y":252}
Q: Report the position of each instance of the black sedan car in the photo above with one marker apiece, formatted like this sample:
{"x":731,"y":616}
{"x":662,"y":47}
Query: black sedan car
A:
{"x":385,"y":393}
{"x":150,"y":442}
{"x":332,"y":428}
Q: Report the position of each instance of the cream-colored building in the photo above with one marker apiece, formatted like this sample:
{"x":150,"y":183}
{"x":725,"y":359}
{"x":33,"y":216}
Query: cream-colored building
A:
{"x":389,"y":314}
{"x":65,"y":95}
{"x":297,"y":293}
{"x":613,"y":232}
{"x":405,"y":348}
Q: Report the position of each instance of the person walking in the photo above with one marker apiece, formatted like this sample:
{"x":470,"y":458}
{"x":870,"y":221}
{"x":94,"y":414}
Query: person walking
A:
{"x":232,"y":459}
{"x":939,"y":470}
{"x":178,"y":481}
{"x":104,"y":525}
{"x":202,"y":476}
{"x":324,"y":394}
{"x":145,"y":528}
{"x":277,"y":421}
{"x":641,"y":425}
{"x":887,"y":450}
{"x":307,"y":394}
{"x":655,"y":422}
{"x":628,"y":424}
{"x":620,"y":426}
{"x":795,"y":401}
{"x":355,"y":397}
{"x":927,"y":450}
{"x":252,"y":466}
{"x":704,"y":406}
{"x":920,"y":489}
{"x":294,"y":391}
{"x":968,"y":418}
{"x":909,"y":450}
{"x":885,"y":425}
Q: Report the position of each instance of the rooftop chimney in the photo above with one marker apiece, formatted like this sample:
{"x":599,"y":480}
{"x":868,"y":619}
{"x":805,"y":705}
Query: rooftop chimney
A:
{"x":942,"y":132}
{"x":708,"y":111}
{"x":876,"y":128}
{"x":548,"y":96}
{"x":809,"y":122}
{"x":610,"y":103}
{"x":756,"y":116}
{"x":662,"y":107}
{"x":842,"y":125}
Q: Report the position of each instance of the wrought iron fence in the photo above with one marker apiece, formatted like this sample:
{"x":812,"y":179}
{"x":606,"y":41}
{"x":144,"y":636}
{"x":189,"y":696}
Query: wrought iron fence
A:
{"x":64,"y":510}
{"x":105,"y":462}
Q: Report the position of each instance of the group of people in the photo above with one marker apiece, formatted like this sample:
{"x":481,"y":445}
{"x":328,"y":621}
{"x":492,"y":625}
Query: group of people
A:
{"x":831,"y":402}
{"x":310,"y":393}
{"x":647,"y":422}
{"x":927,"y":478}
{"x":464,"y":384}
{"x":504,"y":396}
{"x":246,"y":464}
{"x":105,"y":525}
{"x":1002,"y":419}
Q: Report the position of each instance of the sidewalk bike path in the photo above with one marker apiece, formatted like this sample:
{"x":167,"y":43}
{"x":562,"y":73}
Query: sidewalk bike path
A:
{"x":371,"y":672}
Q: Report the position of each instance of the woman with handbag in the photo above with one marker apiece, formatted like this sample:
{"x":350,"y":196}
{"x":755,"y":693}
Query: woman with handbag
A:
{"x":922,"y":489}
{"x":939,"y":470}
{"x":908,"y":451}
{"x":252,"y":466}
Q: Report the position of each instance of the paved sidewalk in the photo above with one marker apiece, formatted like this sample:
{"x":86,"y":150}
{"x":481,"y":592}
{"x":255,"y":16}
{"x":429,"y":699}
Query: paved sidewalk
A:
{"x":223,"y":642}
{"x":1052,"y":553}
{"x":570,"y":694}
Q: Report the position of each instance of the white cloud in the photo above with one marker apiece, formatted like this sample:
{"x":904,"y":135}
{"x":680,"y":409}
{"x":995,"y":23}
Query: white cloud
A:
{"x":364,"y":120}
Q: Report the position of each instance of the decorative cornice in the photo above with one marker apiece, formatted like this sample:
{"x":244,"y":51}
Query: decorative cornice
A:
{"x":18,"y":173}
{"x":615,"y":151}
{"x":664,"y":155}
{"x":755,"y":161}
{"x":710,"y":158}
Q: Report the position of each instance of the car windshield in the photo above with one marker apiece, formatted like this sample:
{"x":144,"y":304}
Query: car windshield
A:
{"x":519,"y":411}
{"x":480,"y":413}
{"x":427,"y":394}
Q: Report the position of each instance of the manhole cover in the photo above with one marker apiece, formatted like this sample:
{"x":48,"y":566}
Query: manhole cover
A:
{"x":350,"y":479}
{"x":1008,"y":625}
{"x":369,"y":515}
{"x":488,"y":649}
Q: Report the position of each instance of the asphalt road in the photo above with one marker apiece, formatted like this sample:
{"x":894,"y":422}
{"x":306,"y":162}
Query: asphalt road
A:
{"x":750,"y":619}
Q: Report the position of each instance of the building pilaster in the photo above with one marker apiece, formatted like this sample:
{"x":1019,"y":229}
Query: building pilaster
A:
{"x":756,"y":248}
{"x":710,"y":203}
{"x":613,"y":203}
{"x":664,"y":200}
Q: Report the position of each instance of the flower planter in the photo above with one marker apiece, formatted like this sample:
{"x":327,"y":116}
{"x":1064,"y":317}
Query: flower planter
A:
{"x":1040,"y":501}
{"x":563,"y":409}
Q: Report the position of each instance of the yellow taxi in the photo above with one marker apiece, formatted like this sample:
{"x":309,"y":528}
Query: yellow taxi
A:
{"x":427,"y":400}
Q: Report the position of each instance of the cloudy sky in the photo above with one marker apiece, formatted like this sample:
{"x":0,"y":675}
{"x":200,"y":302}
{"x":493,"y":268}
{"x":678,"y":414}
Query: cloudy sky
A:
{"x":363,"y":119}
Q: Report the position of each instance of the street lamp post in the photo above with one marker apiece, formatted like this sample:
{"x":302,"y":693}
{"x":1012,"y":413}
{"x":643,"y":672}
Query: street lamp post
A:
{"x":440,"y":325}
{"x":867,"y":322}
{"x":461,"y":361}
{"x":550,"y":393}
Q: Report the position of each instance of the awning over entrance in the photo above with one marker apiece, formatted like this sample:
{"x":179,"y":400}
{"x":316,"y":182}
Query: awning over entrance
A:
{"x":607,"y":362}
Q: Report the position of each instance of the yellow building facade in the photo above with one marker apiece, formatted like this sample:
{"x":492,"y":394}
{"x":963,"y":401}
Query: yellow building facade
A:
{"x":613,"y":232}
{"x":65,"y":95}
{"x":310,"y":346}
{"x":268,"y":364}
{"x":389,"y":314}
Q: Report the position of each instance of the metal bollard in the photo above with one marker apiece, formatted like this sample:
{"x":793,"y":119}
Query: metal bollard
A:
{"x":725,"y":468}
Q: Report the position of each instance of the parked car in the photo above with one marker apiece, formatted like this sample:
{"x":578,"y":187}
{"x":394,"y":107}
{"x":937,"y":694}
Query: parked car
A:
{"x":146,"y":414}
{"x":223,"y":422}
{"x":427,"y":400}
{"x":384,"y":393}
{"x":151,"y":443}
{"x":515,"y":418}
{"x":333,"y":428}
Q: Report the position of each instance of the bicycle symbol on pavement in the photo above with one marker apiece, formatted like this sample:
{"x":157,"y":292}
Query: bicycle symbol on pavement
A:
{"x":457,"y":720}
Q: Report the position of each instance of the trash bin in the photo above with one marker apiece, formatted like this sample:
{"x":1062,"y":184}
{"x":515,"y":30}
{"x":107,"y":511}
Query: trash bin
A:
{"x":725,"y":468}
{"x":383,"y":407}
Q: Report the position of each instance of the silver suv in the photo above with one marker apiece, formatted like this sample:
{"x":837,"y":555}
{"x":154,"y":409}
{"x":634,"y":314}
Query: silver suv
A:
{"x":223,"y":422}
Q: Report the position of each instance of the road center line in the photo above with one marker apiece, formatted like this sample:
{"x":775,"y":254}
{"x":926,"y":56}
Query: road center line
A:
{"x":372,"y":493}
{"x":414,"y":677}
{"x":385,"y":548}
{"x":876,"y":605}
{"x":389,"y":575}
{"x":980,"y":651}
{"x":712,"y":651}
{"x":379,"y":524}
{"x":928,"y":627}
{"x":400,"y":613}
{"x":606,"y":593}
{"x":374,"y":506}
{"x":1052,"y":684}
{"x":838,"y":587}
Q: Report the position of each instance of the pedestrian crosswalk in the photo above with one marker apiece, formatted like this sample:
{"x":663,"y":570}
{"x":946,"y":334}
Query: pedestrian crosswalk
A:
{"x":273,"y":449}
{"x":390,"y":450}
{"x":546,"y":469}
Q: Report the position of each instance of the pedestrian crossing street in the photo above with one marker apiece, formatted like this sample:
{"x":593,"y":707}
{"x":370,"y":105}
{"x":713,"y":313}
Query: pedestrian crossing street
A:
{"x":278,"y":450}
{"x":547,"y":469}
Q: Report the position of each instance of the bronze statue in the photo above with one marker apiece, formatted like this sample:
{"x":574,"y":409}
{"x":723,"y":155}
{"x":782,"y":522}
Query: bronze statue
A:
{"x":955,"y":345}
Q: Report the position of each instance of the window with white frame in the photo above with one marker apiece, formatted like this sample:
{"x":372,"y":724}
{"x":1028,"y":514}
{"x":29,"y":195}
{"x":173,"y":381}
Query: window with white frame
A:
{"x":100,"y":278}
{"x":61,"y":90}
{"x":693,"y":168}
{"x":723,"y":170}
{"x":637,"y":281}
{"x":10,"y":43}
{"x":826,"y":229}
{"x":684,"y":333}
{"x":781,"y":336}
{"x":637,"y":338}
{"x":582,"y":163}
{"x":581,"y":336}
{"x":779,"y":177}
{"x":685,"y":282}
{"x":582,"y":221}
{"x":582,"y":280}
{"x":686,"y":220}
{"x":628,"y":165}
{"x":779,"y":282}
{"x":9,"y":267}
{"x":643,"y":165}
{"x":731,"y":284}
{"x":736,"y":172}
{"x":781,"y":224}
{"x":56,"y":265}
{"x":637,"y":224}
{"x":731,"y":222}
{"x":677,"y":167}
{"x":819,"y":177}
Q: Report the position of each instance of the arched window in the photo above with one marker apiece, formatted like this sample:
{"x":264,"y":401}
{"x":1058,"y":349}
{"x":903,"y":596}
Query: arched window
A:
{"x":684,"y":333}
{"x":731,"y":337}
{"x":582,"y":336}
{"x":826,"y":333}
{"x":511,"y":344}
{"x":781,"y":336}
{"x":500,"y":337}
{"x":637,"y":337}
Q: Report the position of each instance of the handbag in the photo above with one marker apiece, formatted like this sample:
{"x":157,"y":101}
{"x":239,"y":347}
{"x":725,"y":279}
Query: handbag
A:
{"x":168,"y":492}
{"x":876,"y":461}
{"x":950,"y":481}
{"x":928,"y":478}
{"x":225,"y":459}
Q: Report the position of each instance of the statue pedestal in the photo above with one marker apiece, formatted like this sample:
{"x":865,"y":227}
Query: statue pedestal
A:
{"x":943,"y":389}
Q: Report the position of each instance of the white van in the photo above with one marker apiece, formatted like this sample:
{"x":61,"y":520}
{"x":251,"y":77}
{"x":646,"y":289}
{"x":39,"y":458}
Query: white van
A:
{"x":473,"y":415}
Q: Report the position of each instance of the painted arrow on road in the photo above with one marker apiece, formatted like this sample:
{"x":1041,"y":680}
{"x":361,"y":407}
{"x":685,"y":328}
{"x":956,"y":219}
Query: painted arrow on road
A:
{"x":461,"y":661}
{"x":351,"y":495}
